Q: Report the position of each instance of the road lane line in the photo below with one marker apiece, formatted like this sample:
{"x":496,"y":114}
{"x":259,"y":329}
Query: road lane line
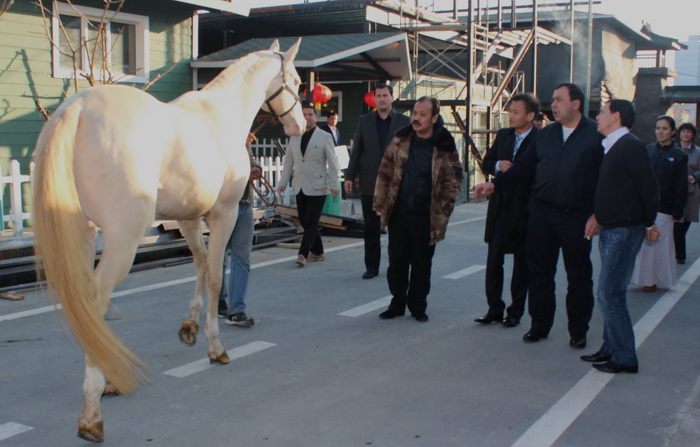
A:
{"x":233,"y":354}
{"x":11,"y":429}
{"x":161,"y":285}
{"x":548,"y":428}
{"x":366,"y":308}
{"x":464,"y":272}
{"x":45,"y":309}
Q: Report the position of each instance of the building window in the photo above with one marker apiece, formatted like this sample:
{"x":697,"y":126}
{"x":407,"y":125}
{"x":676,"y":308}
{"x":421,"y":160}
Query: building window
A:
{"x":105,"y":45}
{"x":334,"y":104}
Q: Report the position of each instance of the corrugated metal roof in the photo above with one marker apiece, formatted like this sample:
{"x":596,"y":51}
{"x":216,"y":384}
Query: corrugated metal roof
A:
{"x":359,"y":56}
{"x":232,"y":6}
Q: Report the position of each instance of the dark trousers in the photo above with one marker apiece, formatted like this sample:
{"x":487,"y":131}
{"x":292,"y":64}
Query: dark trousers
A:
{"x":679,"y":231}
{"x":373,"y":247}
{"x":410,"y":262}
{"x":309,"y":208}
{"x":549,"y":230}
{"x":494,"y":272}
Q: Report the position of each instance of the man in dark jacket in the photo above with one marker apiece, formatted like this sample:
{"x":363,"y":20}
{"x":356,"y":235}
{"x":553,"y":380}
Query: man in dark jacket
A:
{"x":418,"y":181}
{"x":564,"y":163}
{"x":506,"y":219}
{"x":331,"y":126}
{"x":374,"y":132}
{"x":626,"y":202}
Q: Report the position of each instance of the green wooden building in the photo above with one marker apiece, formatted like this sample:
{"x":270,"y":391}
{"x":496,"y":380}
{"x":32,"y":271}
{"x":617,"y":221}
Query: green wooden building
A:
{"x":47,"y":54}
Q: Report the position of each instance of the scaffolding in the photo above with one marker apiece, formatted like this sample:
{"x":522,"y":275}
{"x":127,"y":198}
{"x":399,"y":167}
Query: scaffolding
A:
{"x":483,"y":47}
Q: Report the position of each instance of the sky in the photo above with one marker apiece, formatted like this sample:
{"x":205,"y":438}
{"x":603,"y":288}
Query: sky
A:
{"x":674,"y":18}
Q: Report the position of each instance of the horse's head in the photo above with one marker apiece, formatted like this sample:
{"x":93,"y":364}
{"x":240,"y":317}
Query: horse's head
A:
{"x":282,"y":97}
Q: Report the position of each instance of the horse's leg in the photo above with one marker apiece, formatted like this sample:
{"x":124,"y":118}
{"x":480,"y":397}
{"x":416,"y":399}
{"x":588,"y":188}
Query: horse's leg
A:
{"x":221,"y":222}
{"x":117,"y":257}
{"x":191,"y":230}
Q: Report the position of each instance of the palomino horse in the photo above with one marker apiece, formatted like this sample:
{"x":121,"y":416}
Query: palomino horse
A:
{"x":115,"y":158}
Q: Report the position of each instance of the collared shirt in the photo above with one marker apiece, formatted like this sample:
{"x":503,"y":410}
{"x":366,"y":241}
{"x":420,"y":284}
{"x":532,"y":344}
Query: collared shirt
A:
{"x":305,"y":140}
{"x":519,"y":139}
{"x":334,"y":132}
{"x":612,"y":138}
{"x":383,"y":128}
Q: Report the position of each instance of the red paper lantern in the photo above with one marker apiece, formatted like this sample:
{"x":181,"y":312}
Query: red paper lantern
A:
{"x":321,"y":94}
{"x":369,"y":99}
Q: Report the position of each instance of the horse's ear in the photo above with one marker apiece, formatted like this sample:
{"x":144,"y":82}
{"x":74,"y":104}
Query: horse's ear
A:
{"x":292,"y":51}
{"x":275,"y":47}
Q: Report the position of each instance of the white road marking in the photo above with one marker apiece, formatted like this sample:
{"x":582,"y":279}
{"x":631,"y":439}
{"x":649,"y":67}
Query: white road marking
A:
{"x":27,"y":313}
{"x":161,"y":285}
{"x":548,"y":428}
{"x":11,"y":429}
{"x":366,"y":308}
{"x":233,"y":354}
{"x":464,"y":272}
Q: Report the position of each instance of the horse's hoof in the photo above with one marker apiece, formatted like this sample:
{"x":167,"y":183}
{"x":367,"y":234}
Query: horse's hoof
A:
{"x":93,"y":433}
{"x":111,"y":390}
{"x":188,"y":332}
{"x":223,"y":358}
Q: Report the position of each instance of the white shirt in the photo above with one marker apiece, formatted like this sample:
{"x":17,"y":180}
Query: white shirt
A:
{"x":612,"y":138}
{"x":567,"y":131}
{"x":520,"y":136}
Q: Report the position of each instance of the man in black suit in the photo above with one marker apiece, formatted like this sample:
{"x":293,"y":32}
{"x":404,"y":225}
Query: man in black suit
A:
{"x":331,"y":126}
{"x":626,"y":203}
{"x":506,"y":219}
{"x":375,"y":131}
{"x":564,"y":163}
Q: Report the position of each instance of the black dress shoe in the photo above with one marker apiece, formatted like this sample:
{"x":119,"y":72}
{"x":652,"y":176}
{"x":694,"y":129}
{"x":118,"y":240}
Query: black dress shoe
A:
{"x":391,"y":313}
{"x":510,"y":321}
{"x":577,"y":342}
{"x":533,"y":336}
{"x":614,"y":368}
{"x":422,"y":317}
{"x":596,"y":358}
{"x":369,"y":274}
{"x":488,"y":319}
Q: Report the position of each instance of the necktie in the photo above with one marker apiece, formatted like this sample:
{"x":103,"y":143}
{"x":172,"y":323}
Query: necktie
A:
{"x":518,"y":140}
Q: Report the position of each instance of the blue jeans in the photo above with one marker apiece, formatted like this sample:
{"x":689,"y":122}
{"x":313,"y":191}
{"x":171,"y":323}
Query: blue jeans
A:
{"x":618,"y":250}
{"x":239,"y":245}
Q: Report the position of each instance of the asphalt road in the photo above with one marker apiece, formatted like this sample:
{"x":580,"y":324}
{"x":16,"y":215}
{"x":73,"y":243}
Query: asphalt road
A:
{"x":319,"y":368}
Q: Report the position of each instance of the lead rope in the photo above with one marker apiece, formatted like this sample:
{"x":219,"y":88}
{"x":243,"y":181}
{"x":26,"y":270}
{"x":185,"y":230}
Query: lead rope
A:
{"x":266,"y":190}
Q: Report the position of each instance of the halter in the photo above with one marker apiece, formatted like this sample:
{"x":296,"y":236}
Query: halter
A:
{"x":282,"y":89}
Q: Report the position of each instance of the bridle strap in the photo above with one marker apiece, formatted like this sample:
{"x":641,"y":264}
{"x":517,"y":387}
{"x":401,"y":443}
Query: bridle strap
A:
{"x":284,"y":88}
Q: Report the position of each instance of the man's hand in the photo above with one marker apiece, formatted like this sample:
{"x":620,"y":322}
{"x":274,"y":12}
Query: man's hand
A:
{"x":504,"y":165}
{"x":281,"y":189}
{"x":483,"y":189}
{"x":251,"y":137}
{"x":334,"y":193}
{"x":348,"y":187}
{"x":592,"y":228}
{"x":653,"y":233}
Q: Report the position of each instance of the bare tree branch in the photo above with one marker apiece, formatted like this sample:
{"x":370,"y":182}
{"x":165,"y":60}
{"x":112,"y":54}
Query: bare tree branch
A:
{"x":5,"y":5}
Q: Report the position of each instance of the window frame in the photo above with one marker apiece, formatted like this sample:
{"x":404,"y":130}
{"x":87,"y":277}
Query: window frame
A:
{"x":141,"y":45}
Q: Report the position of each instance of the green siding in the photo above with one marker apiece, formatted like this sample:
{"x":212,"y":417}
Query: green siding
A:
{"x":26,"y":73}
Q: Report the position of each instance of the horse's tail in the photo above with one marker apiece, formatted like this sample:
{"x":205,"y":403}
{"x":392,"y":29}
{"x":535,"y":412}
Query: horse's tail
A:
{"x":63,"y":251}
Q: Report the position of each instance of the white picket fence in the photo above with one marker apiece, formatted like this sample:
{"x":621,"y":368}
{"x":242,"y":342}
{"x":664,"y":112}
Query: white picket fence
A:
{"x":271,"y":168}
{"x":14,"y":179}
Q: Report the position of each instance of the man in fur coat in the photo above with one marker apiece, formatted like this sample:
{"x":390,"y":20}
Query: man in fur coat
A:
{"x":418,"y":181}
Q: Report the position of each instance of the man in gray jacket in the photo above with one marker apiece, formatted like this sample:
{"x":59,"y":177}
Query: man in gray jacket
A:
{"x":374,"y":131}
{"x":311,"y":158}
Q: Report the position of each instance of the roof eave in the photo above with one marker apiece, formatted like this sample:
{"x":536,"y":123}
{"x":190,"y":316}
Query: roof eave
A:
{"x":219,"y":5}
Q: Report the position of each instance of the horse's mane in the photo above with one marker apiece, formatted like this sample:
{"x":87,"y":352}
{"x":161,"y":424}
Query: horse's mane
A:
{"x":243,"y":68}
